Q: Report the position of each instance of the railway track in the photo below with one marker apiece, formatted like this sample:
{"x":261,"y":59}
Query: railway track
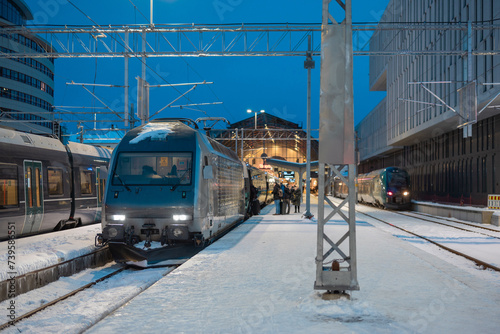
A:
{"x":89,"y":285}
{"x":419,"y":215}
{"x":43,"y":276}
{"x":478,"y":262}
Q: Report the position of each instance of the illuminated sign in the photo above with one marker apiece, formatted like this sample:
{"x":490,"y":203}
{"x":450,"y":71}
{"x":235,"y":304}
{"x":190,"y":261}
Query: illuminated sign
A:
{"x":262,"y":166}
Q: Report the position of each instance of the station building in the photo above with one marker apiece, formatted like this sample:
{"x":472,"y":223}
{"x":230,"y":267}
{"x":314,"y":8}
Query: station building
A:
{"x":26,"y":84}
{"x":256,"y":139}
{"x":449,"y":144}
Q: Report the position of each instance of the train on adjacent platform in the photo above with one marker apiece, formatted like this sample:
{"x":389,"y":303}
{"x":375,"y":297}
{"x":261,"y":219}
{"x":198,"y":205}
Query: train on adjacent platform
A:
{"x":388,"y":188}
{"x":47,"y":186}
{"x":171,"y":191}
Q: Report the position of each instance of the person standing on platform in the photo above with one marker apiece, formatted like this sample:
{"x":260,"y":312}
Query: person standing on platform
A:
{"x":287,"y":194}
{"x":277,"y":198}
{"x":282,"y":198}
{"x":296,"y":197}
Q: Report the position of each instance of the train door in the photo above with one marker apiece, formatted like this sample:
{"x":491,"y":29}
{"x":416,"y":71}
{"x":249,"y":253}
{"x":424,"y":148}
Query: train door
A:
{"x":208,"y":180}
{"x":100,"y":182}
{"x":33,"y":190}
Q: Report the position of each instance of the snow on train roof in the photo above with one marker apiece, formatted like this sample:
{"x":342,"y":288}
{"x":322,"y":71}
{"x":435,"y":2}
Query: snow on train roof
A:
{"x":84,"y":149}
{"x":153,"y":131}
{"x":9,"y":136}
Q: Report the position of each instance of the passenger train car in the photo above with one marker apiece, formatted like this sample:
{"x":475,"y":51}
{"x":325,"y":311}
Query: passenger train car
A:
{"x":47,"y":186}
{"x":387,"y":187}
{"x":171,"y":190}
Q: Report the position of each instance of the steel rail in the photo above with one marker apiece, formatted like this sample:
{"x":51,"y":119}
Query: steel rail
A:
{"x":86,"y":286}
{"x":444,"y":224}
{"x":454,"y":221}
{"x":478,"y":262}
{"x":55,"y":301}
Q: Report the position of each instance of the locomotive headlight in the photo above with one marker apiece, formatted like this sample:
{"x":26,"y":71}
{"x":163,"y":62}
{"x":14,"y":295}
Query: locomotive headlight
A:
{"x":118,"y":217}
{"x":406,"y":193}
{"x":112,"y":232}
{"x":182,"y":217}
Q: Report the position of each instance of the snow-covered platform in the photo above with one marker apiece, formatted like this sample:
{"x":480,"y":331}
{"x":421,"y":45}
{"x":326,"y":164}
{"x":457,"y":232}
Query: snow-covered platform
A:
{"x":41,"y":259}
{"x":467,"y":213}
{"x":45,"y":250}
{"x":259,"y":279}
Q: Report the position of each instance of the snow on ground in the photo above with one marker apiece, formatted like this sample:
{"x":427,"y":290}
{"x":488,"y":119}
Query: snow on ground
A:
{"x":41,"y":251}
{"x":477,"y":245}
{"x":31,"y":300}
{"x":75,"y":314}
{"x":259,"y":279}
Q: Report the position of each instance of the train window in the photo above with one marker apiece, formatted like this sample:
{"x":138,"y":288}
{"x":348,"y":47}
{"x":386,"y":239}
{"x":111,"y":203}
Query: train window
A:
{"x":102,"y":187}
{"x":38,"y":182}
{"x":153,"y":168}
{"x":397,"y":179}
{"x":55,"y":181}
{"x":29,"y":189}
{"x":8,"y":187}
{"x":86,"y":182}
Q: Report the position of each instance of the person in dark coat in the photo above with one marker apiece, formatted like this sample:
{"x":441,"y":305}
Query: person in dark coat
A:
{"x":287,"y":194}
{"x":296,"y":198}
{"x":277,"y":198}
{"x":254,"y":200}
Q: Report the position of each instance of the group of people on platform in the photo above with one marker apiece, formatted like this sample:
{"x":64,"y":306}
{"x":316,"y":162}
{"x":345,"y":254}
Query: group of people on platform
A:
{"x":283,"y":195}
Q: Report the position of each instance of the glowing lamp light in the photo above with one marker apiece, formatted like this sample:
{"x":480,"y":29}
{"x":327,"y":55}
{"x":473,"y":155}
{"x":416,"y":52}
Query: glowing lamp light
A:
{"x":406,"y":193}
{"x":389,"y":193}
{"x":181,"y":217}
{"x":118,"y":217}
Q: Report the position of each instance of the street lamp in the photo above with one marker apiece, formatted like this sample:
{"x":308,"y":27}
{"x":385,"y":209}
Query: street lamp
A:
{"x":255,"y":112}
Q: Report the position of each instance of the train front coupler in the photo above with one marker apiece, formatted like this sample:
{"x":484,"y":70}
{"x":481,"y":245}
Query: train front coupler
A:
{"x":100,"y":241}
{"x":149,"y":229}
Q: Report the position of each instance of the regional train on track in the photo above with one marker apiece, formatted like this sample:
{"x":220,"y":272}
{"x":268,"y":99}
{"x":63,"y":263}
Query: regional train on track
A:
{"x":171,"y":191}
{"x":47,"y":186}
{"x":388,"y":187}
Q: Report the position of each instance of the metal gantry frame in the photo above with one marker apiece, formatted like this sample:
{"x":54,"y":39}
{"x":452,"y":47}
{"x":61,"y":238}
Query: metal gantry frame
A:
{"x":198,"y":40}
{"x":205,"y":40}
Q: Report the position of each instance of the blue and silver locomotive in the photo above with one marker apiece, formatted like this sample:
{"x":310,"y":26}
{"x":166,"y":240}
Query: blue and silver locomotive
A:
{"x":171,"y":190}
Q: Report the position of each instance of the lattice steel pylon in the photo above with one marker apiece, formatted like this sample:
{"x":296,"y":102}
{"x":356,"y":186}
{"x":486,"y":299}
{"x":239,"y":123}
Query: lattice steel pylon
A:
{"x":336,"y":148}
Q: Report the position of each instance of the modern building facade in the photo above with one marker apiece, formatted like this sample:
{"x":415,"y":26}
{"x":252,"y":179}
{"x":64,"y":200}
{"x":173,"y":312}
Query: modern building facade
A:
{"x":26,"y":84}
{"x":429,"y":122}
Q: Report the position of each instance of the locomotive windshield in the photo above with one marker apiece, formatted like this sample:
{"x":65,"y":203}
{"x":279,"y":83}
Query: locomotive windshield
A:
{"x":153,"y":168}
{"x":397,"y":179}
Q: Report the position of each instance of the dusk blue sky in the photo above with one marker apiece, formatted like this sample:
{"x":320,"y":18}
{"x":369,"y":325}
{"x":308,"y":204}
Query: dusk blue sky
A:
{"x":275,"y":84}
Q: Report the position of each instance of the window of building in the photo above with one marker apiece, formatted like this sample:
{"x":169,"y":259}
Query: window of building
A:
{"x":11,"y":13}
{"x":493,"y":191}
{"x":26,"y":98}
{"x":484,"y":175}
{"x":478,"y":179}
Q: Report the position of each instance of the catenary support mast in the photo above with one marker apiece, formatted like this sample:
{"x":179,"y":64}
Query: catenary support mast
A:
{"x":336,"y":269}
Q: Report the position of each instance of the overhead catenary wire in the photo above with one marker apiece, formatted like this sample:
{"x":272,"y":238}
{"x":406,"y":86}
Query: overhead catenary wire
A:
{"x":183,"y":58}
{"x":135,"y":56}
